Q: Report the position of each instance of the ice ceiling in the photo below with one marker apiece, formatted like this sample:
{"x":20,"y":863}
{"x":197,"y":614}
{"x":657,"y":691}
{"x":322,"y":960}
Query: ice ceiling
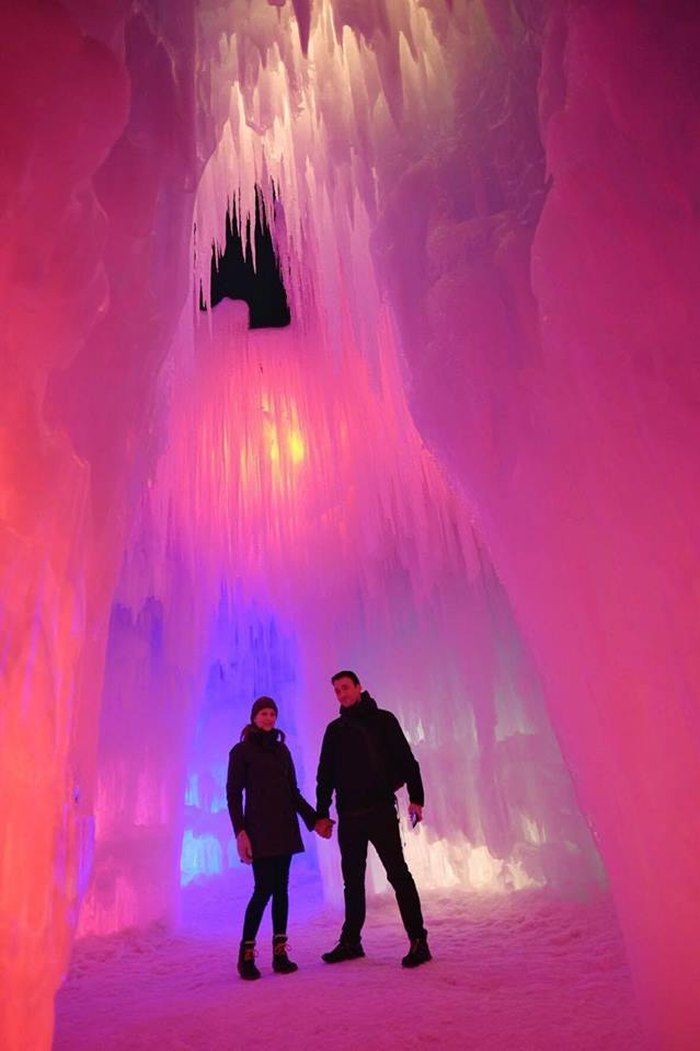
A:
{"x":468,"y":466}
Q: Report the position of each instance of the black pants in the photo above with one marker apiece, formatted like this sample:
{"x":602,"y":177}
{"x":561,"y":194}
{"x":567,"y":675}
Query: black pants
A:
{"x":380,"y":827}
{"x":271,"y":881}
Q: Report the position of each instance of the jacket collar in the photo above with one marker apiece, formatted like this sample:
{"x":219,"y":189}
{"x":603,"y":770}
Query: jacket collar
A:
{"x":361,"y":710}
{"x":265,"y":738}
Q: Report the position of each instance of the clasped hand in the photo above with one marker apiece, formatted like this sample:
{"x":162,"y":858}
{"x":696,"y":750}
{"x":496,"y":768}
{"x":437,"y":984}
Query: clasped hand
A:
{"x":415,"y":813}
{"x":324,"y":827}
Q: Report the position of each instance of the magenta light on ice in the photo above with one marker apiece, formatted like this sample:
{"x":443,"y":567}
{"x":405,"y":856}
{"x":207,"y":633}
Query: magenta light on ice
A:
{"x":463,"y":457}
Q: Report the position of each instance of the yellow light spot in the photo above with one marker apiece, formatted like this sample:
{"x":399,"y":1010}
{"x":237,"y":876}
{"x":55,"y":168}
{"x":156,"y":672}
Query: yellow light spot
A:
{"x":296,"y":447}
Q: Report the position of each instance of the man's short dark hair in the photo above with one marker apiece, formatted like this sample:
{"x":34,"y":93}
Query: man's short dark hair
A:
{"x":346,"y":675}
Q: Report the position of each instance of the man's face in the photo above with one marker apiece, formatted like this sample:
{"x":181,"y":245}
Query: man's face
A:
{"x":347,"y":692}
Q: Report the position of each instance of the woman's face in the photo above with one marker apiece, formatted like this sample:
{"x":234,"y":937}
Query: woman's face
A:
{"x":265,"y":719}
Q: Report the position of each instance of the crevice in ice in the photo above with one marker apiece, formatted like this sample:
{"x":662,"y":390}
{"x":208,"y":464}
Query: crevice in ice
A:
{"x":248,"y":268}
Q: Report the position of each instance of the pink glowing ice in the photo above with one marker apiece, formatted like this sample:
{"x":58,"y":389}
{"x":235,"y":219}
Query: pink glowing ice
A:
{"x":469,"y":466}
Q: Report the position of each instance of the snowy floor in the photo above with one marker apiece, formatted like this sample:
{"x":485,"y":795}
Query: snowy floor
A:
{"x":520,"y":972}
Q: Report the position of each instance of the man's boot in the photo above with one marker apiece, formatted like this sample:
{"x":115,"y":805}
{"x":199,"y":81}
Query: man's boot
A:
{"x":246,"y":961}
{"x":418,"y":953}
{"x":281,"y":963}
{"x":344,"y":950}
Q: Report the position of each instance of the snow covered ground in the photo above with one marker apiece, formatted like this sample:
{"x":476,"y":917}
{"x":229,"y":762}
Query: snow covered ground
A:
{"x":524,"y":971}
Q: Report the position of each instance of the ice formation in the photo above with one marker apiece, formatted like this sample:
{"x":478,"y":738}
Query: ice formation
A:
{"x":468,"y":466}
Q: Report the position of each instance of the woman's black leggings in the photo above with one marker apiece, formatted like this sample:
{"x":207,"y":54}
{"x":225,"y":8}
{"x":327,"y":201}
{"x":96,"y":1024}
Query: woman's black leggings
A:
{"x":271,"y":881}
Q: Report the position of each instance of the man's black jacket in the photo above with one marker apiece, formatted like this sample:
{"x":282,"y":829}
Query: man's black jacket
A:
{"x":365,"y":758}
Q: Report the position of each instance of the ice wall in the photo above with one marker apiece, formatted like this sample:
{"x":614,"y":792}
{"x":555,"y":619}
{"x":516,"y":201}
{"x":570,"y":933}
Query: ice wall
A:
{"x":549,"y":357}
{"x":554,"y":366}
{"x":97,"y":151}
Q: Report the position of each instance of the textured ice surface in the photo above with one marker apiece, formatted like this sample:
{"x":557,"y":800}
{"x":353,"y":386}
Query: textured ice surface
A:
{"x":554,"y":364}
{"x":95,"y":259}
{"x":487,"y":224}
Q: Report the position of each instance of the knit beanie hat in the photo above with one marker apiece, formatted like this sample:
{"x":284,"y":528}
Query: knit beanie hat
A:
{"x":260,"y":704}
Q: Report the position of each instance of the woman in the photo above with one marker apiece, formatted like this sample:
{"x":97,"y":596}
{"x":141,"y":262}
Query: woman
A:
{"x":267,"y":830}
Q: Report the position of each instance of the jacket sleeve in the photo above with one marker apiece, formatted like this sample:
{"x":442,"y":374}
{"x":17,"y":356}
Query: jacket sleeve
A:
{"x":304,"y":809}
{"x":235,"y":782}
{"x":407,"y":763}
{"x":325,"y":783}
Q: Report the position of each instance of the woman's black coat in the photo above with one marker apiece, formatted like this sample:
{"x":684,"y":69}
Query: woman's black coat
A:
{"x":262,"y":767}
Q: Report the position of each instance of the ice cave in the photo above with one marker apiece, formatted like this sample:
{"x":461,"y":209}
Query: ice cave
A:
{"x":351,"y":334}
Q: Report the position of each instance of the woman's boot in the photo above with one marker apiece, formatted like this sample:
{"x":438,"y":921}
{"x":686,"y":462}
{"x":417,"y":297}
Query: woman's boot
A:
{"x":280,"y":961}
{"x":246,"y":961}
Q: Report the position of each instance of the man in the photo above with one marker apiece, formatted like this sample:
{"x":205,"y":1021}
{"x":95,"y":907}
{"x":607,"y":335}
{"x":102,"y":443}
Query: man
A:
{"x":365,"y":758}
